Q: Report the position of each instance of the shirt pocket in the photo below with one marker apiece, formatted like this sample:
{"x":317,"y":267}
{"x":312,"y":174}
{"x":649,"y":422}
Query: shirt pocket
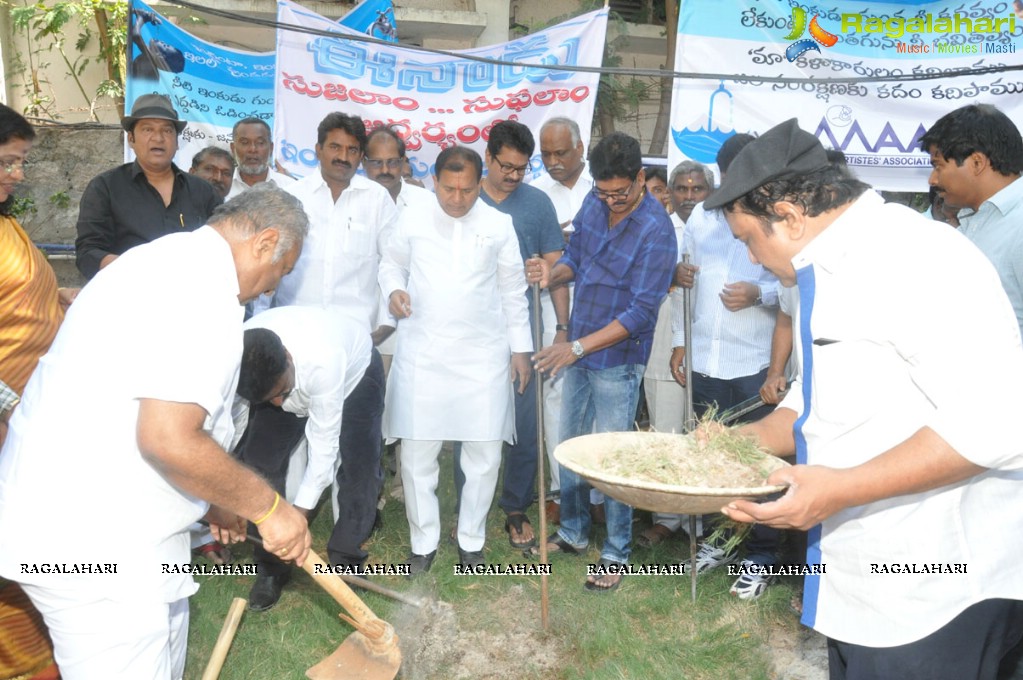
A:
{"x":843,"y":380}
{"x":484,"y":254}
{"x":360,"y":240}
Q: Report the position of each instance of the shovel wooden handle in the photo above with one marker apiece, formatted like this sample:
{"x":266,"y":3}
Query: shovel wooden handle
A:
{"x":224,"y":640}
{"x":339,"y":590}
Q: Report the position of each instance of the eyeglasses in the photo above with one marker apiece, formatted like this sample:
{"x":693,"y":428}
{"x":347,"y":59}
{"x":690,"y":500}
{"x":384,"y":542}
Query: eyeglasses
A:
{"x":509,"y":169}
{"x":10,"y":166}
{"x":377,"y":163}
{"x":617,"y":195}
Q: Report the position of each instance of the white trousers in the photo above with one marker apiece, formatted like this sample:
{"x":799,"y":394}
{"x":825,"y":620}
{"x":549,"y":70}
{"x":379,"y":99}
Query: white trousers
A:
{"x":552,"y":426}
{"x":100,"y":638}
{"x":420,"y":471}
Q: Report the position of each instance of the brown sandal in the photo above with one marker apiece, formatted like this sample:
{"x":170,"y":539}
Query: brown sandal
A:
{"x":655,"y":535}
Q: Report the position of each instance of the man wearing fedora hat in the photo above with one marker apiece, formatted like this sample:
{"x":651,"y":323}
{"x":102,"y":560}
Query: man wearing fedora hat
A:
{"x":141,"y":201}
{"x":908,"y":470}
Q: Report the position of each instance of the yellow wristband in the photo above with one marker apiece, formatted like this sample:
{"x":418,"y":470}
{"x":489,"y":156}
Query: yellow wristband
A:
{"x":277,"y":501}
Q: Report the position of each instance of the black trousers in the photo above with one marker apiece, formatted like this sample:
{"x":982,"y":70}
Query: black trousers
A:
{"x":273,"y":433}
{"x":982,"y":643}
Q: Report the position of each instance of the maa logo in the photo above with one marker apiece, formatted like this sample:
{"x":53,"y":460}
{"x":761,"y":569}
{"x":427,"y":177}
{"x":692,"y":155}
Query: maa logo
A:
{"x":819,"y":35}
{"x":887,"y":138}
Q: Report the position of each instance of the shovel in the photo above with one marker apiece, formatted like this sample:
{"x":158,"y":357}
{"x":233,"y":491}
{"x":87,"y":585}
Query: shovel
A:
{"x":371,"y":652}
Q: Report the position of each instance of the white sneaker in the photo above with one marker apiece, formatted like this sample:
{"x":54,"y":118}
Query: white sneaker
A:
{"x":751,"y":584}
{"x":708,"y":557}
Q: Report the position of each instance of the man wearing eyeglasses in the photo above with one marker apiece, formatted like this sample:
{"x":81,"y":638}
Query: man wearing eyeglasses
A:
{"x":385,"y":158}
{"x":252,"y":148}
{"x":621,"y":258}
{"x":350,"y":219}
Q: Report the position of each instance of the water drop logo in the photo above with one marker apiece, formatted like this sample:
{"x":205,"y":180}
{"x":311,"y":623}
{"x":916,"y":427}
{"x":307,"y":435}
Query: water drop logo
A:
{"x":819,"y":35}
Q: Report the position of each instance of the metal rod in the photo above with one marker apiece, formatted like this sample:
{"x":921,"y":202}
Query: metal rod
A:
{"x":689,"y":419}
{"x":540,"y":455}
{"x":689,"y":423}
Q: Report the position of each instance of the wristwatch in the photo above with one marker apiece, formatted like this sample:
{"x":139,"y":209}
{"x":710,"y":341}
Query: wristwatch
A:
{"x":8,"y":408}
{"x":561,"y":327}
{"x":577,"y":349}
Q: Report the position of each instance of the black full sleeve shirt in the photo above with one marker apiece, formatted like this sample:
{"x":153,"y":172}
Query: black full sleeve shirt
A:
{"x":120,"y":209}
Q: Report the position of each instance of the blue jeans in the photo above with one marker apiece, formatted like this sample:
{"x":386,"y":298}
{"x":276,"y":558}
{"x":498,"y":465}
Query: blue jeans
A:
{"x":602,"y":401}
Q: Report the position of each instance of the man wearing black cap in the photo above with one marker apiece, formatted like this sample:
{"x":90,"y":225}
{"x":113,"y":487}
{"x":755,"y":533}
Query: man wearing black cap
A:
{"x":140,"y":201}
{"x":907,"y":482}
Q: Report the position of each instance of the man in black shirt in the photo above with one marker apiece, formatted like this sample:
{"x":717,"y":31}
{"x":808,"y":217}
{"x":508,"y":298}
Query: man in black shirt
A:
{"x":143,"y":200}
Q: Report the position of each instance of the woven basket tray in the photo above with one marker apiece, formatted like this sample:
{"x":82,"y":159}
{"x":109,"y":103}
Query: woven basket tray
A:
{"x":583,"y":455}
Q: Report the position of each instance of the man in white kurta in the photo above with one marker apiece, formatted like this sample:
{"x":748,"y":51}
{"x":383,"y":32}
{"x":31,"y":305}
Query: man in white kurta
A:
{"x":124,"y":423}
{"x":454,"y":279}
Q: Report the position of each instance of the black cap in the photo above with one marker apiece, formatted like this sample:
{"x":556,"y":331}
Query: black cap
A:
{"x":783,"y":151}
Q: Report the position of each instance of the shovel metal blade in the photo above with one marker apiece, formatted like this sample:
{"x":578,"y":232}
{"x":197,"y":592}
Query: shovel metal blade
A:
{"x":354,"y":659}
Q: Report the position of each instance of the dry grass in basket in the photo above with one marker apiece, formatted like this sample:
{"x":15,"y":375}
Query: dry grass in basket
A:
{"x":716,"y":458}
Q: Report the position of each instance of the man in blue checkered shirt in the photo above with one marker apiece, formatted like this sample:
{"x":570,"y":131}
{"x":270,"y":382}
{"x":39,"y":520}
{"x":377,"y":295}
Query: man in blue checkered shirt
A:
{"x":621,"y":258}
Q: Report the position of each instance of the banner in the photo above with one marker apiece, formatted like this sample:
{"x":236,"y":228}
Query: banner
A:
{"x":433,"y":101}
{"x":876,"y":124}
{"x":213,"y":87}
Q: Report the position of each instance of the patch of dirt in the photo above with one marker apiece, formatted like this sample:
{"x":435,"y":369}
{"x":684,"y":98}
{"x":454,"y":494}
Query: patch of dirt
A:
{"x":798,"y":653}
{"x":439,"y":642}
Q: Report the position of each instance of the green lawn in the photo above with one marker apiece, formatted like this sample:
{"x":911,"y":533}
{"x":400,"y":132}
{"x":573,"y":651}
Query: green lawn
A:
{"x":649,"y":628}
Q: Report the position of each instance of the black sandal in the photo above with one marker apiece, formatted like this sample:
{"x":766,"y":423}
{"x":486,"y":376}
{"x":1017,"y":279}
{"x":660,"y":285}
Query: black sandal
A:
{"x":593,"y":587}
{"x":563,"y":546}
{"x":515,"y":520}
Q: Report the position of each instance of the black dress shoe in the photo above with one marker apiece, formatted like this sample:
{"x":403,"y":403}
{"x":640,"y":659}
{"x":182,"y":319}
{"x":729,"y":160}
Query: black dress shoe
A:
{"x":471,"y":558}
{"x":266,"y":591}
{"x":419,"y":564}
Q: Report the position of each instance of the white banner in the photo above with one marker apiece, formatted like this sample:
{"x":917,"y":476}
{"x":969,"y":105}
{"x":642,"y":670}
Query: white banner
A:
{"x":432,"y":101}
{"x":876,"y":124}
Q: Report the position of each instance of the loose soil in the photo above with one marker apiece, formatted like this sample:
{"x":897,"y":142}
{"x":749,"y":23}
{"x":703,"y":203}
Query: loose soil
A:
{"x":485,"y":640}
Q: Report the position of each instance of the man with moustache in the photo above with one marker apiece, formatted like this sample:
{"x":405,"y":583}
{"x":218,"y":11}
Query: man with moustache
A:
{"x":621,"y":258}
{"x":252,"y":149}
{"x":977,"y":156}
{"x":383,"y":163}
{"x":567,"y":183}
{"x":216,"y":166}
{"x":350,"y":218}
{"x":141,"y":201}
{"x":507,"y":158}
{"x":689,"y":184}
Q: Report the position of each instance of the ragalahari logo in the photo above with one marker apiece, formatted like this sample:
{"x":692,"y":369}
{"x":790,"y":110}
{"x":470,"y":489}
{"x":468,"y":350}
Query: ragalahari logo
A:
{"x":819,"y":35}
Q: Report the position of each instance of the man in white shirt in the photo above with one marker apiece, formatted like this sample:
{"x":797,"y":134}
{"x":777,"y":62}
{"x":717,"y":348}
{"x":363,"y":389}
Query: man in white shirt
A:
{"x":454,"y":278}
{"x":312,"y":372}
{"x":350,"y":218}
{"x":735,"y":303}
{"x":907,"y":480}
{"x":125,"y":422}
{"x":977,"y":156}
{"x":567,"y":183}
{"x":252,"y":148}
{"x":689,"y":183}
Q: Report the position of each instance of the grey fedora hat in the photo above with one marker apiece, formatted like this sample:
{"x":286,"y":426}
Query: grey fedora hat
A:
{"x":152,"y":106}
